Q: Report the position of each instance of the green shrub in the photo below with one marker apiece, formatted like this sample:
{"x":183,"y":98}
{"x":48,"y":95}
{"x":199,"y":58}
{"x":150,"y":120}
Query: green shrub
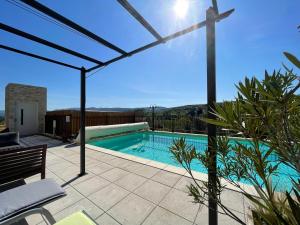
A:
{"x":267,"y":112}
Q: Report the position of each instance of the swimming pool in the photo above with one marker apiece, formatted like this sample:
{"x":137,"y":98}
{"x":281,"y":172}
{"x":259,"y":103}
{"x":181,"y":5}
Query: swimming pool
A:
{"x":155,"y":146}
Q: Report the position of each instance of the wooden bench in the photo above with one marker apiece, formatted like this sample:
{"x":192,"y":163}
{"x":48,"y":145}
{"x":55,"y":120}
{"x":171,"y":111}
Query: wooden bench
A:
{"x":22,"y":162}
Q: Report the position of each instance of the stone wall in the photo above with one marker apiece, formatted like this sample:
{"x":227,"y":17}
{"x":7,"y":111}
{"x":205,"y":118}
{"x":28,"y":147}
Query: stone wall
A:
{"x":24,"y":93}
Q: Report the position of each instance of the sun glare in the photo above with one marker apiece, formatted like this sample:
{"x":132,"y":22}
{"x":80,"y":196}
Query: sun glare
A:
{"x":180,"y":8}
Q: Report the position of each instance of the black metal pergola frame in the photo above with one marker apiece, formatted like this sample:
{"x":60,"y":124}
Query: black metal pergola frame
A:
{"x":212,"y":16}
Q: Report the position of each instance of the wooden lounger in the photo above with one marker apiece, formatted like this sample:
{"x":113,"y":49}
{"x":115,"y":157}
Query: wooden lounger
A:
{"x":22,"y":162}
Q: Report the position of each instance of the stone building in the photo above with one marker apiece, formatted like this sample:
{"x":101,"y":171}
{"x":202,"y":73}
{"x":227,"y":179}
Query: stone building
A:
{"x":25,"y":108}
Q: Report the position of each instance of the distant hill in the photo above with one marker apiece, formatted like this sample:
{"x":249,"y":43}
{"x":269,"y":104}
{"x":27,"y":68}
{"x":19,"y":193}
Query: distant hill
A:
{"x":100,"y":109}
{"x":185,"y":110}
{"x":188,"y":110}
{"x":109,"y":109}
{"x":178,"y":110}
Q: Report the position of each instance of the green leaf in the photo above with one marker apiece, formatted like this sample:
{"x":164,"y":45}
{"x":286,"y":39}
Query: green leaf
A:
{"x":294,"y":207}
{"x":293,"y":59}
{"x":215,"y":122}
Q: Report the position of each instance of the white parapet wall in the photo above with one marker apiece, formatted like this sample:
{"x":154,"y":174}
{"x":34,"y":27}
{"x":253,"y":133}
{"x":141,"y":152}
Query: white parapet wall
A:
{"x":107,"y":130}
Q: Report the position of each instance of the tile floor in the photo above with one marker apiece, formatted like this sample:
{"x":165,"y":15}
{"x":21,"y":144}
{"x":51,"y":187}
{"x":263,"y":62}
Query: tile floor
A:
{"x":117,"y":191}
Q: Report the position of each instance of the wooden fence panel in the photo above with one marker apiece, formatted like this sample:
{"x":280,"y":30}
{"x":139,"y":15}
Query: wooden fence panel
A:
{"x":68,"y":121}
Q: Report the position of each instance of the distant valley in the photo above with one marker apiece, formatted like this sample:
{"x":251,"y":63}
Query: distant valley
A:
{"x":116,"y":109}
{"x":186,"y":109}
{"x":190,"y":110}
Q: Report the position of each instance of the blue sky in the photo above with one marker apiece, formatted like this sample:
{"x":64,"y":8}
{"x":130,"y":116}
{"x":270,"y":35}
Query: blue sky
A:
{"x":248,"y":42}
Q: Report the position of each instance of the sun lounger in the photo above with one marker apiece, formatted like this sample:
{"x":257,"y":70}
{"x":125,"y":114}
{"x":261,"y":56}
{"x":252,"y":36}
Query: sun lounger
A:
{"x":22,"y":201}
{"x":18,"y":203}
{"x":78,"y":218}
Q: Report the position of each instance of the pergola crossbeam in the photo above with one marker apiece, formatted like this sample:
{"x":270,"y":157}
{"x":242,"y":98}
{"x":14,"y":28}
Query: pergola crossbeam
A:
{"x":164,"y":39}
{"x":139,"y":18}
{"x":215,"y":6}
{"x":47,"y":43}
{"x":38,"y":57}
{"x":51,"y":13}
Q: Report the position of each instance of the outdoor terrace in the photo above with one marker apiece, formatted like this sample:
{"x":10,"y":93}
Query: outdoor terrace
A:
{"x":119,"y":191}
{"x":138,"y":210}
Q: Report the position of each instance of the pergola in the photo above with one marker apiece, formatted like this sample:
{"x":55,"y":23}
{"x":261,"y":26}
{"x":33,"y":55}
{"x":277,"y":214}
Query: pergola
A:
{"x":212,"y":16}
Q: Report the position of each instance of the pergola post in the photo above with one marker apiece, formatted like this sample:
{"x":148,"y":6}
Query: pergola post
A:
{"x":82,"y":120}
{"x":211,"y":100}
{"x":153,"y":118}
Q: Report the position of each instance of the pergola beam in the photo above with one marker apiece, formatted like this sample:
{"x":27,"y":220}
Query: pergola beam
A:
{"x":139,"y":18}
{"x":215,"y":6}
{"x":38,"y":57}
{"x":47,"y":43}
{"x":163,"y":40}
{"x":51,"y":13}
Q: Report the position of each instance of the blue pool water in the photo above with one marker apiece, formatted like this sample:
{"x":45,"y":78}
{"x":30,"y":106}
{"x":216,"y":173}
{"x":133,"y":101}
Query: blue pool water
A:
{"x":155,"y":146}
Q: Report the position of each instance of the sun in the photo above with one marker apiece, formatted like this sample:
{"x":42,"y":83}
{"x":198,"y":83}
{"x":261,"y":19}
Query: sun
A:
{"x":180,"y":8}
